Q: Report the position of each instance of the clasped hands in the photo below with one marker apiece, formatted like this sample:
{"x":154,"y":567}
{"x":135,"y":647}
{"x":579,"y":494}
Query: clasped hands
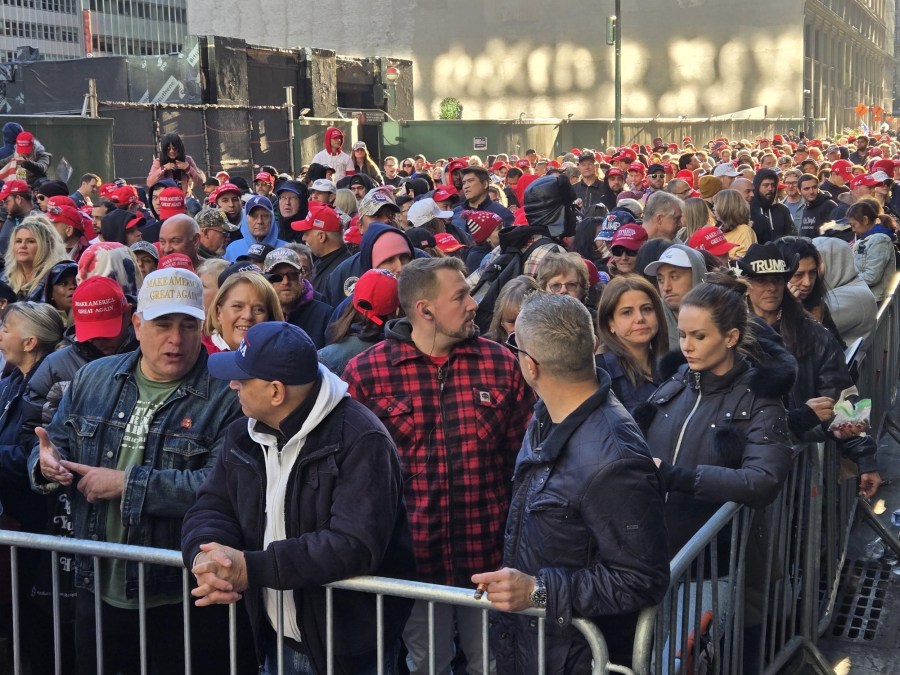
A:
{"x":221,"y":575}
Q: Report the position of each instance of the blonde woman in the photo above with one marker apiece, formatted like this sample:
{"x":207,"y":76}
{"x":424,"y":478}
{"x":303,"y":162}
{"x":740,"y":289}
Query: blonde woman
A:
{"x":695,"y":215}
{"x":34,"y":248}
{"x":733,"y":214}
{"x":243,"y":300}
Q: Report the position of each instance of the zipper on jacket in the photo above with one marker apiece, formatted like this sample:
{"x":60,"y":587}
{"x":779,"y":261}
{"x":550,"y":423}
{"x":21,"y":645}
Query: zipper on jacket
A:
{"x":688,"y":418}
{"x":442,"y":380}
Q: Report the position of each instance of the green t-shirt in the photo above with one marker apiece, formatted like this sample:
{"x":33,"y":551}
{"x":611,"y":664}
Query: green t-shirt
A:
{"x":151,"y":395}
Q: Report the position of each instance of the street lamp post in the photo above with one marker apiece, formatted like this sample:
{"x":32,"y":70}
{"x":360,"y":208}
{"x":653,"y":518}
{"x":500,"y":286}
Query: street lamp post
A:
{"x":614,"y":37}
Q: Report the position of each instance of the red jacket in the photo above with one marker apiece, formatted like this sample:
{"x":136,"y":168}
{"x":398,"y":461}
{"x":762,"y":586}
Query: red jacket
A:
{"x":458,"y":429}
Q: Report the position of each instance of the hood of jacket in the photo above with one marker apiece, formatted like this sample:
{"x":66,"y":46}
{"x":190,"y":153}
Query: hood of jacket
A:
{"x":549,"y":201}
{"x":757,"y":181}
{"x":837,"y":257}
{"x":329,"y":134}
{"x":371,"y":235}
{"x":881,"y":229}
{"x":10,"y":131}
{"x":820,"y":199}
{"x":698,"y":265}
{"x":518,"y":236}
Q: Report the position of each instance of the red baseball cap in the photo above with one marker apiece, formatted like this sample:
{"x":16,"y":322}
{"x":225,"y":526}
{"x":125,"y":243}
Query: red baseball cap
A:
{"x":631,"y":236}
{"x":176,"y":260}
{"x":171,"y":202}
{"x":68,"y":215}
{"x":222,"y":189}
{"x":455,"y":165}
{"x":614,"y":172}
{"x":637,"y":166}
{"x":446,"y":242}
{"x":844,"y":169}
{"x":711,"y":238}
{"x":321,"y":217}
{"x":375,"y":295}
{"x":127,"y":194}
{"x":264,"y":177}
{"x":863,"y":180}
{"x":352,"y":235}
{"x":523,"y":164}
{"x":886,"y":165}
{"x":97,"y":308}
{"x":625,"y":155}
{"x":14,"y":187}
{"x":687,"y":176}
{"x":445,"y":193}
{"x":496,"y":166}
{"x":24,"y":143}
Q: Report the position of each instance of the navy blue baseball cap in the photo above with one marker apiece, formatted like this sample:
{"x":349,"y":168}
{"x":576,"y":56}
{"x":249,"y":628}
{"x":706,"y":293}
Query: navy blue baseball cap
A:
{"x":272,"y":350}
{"x":258,"y":201}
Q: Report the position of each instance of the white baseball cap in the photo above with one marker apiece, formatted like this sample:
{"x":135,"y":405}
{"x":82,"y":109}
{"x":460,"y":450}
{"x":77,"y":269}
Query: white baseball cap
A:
{"x":171,"y":291}
{"x":671,"y":256}
{"x":323,"y":185}
{"x":425,"y":210}
{"x":726,"y":170}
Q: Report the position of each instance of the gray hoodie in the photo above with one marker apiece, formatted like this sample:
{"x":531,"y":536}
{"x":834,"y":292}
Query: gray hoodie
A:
{"x":850,"y":300}
{"x":698,"y":269}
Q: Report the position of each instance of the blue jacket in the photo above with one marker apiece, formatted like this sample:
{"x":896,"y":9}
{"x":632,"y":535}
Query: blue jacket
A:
{"x":344,"y":516}
{"x":181,"y":447}
{"x":238,"y":248}
{"x":588,"y":515}
{"x":487,"y":205}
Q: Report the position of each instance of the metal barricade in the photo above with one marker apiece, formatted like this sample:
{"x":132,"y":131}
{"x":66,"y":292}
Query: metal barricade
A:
{"x":696,"y":619}
{"x":379,"y":586}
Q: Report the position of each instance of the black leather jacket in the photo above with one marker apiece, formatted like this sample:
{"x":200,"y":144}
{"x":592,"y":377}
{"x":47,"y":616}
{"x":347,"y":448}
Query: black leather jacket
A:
{"x":587,"y":514}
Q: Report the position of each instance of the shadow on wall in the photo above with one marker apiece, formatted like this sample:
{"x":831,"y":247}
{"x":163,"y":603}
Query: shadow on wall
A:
{"x":691,"y":75}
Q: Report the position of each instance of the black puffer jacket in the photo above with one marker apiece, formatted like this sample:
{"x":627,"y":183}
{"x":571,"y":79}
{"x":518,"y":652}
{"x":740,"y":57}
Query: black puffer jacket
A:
{"x":823,"y":372}
{"x":770,"y":220}
{"x":720,"y":438}
{"x":587,"y":513}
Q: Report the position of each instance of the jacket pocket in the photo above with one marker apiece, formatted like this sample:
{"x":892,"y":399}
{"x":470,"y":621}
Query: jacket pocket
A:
{"x":180,"y":452}
{"x":397,"y":415}
{"x":490,"y":410}
{"x":86,"y":430}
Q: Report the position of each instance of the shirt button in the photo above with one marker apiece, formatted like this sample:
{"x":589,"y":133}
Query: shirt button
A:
{"x":109,"y":454}
{"x":541,"y":481}
{"x":560,"y":620}
{"x":121,"y":415}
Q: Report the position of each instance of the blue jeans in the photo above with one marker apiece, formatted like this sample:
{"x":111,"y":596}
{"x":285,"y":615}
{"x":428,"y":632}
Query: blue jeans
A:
{"x":298,"y":663}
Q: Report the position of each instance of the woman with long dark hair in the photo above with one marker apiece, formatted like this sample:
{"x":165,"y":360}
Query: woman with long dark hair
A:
{"x":631,"y":326}
{"x":173,"y":162}
{"x":822,"y":374}
{"x":807,"y":284}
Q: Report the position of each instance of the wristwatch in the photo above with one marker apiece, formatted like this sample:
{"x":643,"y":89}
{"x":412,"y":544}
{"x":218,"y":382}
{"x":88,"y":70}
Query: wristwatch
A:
{"x":539,"y":594}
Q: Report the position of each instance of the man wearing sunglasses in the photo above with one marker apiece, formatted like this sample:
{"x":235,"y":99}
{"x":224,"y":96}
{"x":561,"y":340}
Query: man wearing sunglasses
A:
{"x":17,"y":198}
{"x":582,"y":476}
{"x":290,"y":278}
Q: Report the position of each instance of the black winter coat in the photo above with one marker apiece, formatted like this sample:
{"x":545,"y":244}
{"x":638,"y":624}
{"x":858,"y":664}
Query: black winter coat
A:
{"x":823,"y":372}
{"x":720,"y":438}
{"x":587,"y":514}
{"x":815,"y":215}
{"x":770,"y":221}
{"x":345,"y":516}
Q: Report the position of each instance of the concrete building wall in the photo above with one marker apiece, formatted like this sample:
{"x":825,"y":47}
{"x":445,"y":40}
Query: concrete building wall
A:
{"x":681,"y":57}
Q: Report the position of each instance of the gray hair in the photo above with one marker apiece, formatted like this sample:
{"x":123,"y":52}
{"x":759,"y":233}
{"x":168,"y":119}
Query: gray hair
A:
{"x":661,"y":203}
{"x":557,"y":330}
{"x":40,"y":321}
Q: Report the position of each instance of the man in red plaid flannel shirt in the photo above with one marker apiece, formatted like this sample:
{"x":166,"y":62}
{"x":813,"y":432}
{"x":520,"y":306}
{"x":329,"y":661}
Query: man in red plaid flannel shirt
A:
{"x":457,"y":407}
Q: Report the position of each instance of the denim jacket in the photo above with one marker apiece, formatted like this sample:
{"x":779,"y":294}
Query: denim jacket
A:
{"x":181,"y":448}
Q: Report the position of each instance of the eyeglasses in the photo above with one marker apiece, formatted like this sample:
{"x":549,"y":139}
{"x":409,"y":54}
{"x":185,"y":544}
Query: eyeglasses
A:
{"x":619,"y":251}
{"x":407,"y":166}
{"x":571,"y":286}
{"x":41,"y":198}
{"x":511,"y":343}
{"x":657,"y":175}
{"x":292,"y":277}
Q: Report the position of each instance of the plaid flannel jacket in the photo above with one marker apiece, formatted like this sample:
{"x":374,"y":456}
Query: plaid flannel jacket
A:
{"x":458,"y":429}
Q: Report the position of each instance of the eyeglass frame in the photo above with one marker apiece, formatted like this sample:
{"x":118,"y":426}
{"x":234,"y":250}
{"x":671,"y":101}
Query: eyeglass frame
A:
{"x":511,"y":344}
{"x":301,"y":275}
{"x":570,"y":286}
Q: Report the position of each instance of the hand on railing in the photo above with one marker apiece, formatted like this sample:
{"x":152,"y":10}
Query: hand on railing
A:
{"x":869,"y":484}
{"x":508,"y":589}
{"x":221,"y":575}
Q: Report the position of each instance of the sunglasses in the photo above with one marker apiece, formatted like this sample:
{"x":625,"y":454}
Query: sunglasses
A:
{"x":511,"y":343}
{"x":657,"y":175}
{"x":619,"y":251}
{"x":41,"y":198}
{"x":293,"y":277}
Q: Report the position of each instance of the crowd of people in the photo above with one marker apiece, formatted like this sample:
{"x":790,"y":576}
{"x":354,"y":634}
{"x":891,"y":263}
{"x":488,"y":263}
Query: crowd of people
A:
{"x":535,"y":375}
